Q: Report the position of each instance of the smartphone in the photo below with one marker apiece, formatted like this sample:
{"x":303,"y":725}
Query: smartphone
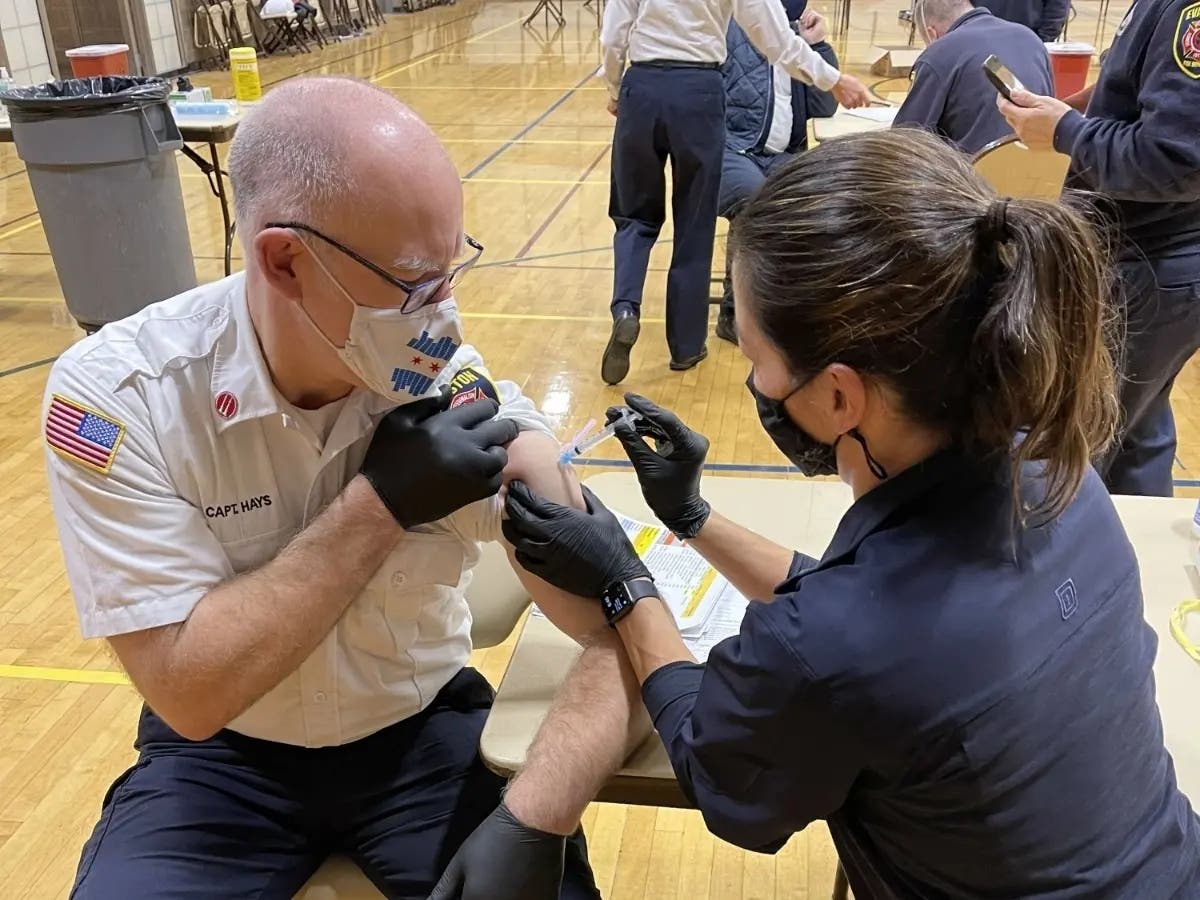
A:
{"x":1001,"y":78}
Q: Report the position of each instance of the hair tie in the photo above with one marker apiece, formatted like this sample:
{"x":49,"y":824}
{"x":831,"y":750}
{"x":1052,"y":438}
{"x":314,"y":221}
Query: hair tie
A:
{"x":993,"y":224}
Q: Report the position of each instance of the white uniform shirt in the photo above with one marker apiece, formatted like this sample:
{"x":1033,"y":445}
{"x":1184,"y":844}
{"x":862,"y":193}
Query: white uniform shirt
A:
{"x":780,"y":134}
{"x":694,"y":31}
{"x":209,"y":476}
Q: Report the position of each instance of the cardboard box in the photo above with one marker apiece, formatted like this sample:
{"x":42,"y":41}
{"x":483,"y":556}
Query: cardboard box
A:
{"x":893,"y":62}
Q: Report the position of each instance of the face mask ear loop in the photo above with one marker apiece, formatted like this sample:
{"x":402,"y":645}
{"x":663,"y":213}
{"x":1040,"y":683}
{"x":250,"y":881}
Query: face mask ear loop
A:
{"x":872,"y":463}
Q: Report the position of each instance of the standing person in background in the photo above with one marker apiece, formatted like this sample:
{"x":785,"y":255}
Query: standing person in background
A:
{"x":950,"y":94}
{"x":1137,"y":149}
{"x":1045,"y":18}
{"x":671,"y":105}
{"x":766,"y":121}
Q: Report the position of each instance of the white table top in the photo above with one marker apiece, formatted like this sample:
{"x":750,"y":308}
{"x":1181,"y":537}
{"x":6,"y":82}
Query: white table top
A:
{"x":851,"y":121}
{"x":1160,"y":530}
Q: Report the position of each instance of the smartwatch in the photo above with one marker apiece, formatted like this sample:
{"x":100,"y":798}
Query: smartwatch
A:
{"x":621,"y":596}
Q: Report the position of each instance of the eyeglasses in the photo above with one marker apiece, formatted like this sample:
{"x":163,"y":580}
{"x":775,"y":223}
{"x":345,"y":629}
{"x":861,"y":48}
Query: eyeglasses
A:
{"x":416,"y":295}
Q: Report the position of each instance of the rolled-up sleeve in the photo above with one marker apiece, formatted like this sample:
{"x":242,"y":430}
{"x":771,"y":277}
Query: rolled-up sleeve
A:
{"x":753,"y":737}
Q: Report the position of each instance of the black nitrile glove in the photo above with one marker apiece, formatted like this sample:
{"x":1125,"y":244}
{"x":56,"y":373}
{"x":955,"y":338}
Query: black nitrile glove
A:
{"x":504,"y":860}
{"x":670,"y":475}
{"x":583,"y":552}
{"x":426,"y":461}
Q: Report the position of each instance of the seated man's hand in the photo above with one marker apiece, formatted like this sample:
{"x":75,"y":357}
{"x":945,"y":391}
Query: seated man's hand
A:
{"x":426,"y":461}
{"x":504,"y":860}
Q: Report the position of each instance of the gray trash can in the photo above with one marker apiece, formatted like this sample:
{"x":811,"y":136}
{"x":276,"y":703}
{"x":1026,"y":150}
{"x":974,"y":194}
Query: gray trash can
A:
{"x":100,"y":154}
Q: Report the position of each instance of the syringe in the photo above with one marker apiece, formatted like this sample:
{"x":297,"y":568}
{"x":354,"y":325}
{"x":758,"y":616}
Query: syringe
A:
{"x":582,"y":446}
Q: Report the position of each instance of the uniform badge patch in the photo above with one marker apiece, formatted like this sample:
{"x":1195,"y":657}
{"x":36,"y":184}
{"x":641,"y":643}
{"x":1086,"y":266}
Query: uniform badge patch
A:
{"x":470,"y":385}
{"x":83,"y":435}
{"x":1187,"y":41}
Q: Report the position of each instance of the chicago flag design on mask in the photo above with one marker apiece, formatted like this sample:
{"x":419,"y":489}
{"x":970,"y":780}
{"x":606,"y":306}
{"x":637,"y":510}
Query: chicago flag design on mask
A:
{"x":416,"y":374}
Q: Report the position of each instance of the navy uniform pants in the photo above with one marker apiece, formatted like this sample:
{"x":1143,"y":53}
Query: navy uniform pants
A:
{"x":677,"y":114}
{"x":1162,"y":331}
{"x":237,"y":817}
{"x":741,"y":175}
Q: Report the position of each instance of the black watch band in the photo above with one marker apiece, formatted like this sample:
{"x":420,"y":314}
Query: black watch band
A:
{"x":621,"y":596}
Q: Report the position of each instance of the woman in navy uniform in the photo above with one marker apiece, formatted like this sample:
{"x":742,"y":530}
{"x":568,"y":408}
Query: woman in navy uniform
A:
{"x":1134,"y":142}
{"x":961,"y":685}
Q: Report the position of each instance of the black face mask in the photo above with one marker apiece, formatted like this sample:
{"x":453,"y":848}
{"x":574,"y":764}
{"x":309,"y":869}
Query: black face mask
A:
{"x":804,"y":451}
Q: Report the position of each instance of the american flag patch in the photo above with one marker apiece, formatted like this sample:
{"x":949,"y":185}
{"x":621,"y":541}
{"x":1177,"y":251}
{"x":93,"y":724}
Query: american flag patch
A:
{"x":82,"y":435}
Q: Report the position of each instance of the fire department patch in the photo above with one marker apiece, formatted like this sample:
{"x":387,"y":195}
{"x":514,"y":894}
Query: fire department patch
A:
{"x":1187,"y":41}
{"x":470,"y":385}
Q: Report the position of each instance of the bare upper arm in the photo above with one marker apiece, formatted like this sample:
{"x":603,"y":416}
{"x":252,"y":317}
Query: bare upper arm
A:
{"x":533,"y":459}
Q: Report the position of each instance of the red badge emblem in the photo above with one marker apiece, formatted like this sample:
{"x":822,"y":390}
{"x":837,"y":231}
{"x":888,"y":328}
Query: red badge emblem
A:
{"x":1187,"y":41}
{"x":226,"y":405}
{"x":1190,"y":42}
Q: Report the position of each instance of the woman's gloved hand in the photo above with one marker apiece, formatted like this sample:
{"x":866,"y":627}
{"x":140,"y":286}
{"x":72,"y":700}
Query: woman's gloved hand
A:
{"x":582,"y":552}
{"x":670,"y":474}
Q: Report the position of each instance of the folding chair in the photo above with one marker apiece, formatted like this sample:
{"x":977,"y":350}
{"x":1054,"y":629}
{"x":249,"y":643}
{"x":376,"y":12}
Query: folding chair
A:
{"x":309,"y":26}
{"x":331,"y":13}
{"x":355,"y":15}
{"x":220,"y":27}
{"x":212,"y":49}
{"x":244,"y":20}
{"x":237,"y":38}
{"x":1013,"y":170}
{"x":279,"y":16}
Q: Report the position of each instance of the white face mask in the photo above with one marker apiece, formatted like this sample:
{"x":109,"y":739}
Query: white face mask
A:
{"x":395,"y":354}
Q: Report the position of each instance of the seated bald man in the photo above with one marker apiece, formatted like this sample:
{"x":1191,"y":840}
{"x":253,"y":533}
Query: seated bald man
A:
{"x":270,"y":492}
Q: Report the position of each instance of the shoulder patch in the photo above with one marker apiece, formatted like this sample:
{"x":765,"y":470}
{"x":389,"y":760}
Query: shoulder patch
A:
{"x":82,"y":434}
{"x":469,"y":385}
{"x":1187,"y":41}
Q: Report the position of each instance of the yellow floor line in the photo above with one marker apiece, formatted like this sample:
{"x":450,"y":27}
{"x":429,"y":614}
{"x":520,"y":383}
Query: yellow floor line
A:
{"x":388,"y":73}
{"x":13,"y":232}
{"x":79,"y":676}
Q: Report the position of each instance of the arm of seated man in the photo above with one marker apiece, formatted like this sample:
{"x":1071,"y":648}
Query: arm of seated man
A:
{"x":597,"y":717}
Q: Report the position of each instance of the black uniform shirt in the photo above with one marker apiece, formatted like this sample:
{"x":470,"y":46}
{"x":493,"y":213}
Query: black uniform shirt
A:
{"x":1139,"y":145}
{"x":971,"y":707}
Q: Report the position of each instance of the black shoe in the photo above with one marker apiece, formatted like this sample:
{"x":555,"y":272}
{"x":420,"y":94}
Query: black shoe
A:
{"x":691,"y":362}
{"x":615,"y":364}
{"x":726,"y":330}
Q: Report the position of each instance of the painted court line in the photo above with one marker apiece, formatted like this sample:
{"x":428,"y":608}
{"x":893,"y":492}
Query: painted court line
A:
{"x":491,"y":157}
{"x":79,"y":676}
{"x":566,"y":198}
{"x":13,"y":232}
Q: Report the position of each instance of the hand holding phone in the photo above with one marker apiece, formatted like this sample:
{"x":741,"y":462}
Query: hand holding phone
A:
{"x":1001,"y":78}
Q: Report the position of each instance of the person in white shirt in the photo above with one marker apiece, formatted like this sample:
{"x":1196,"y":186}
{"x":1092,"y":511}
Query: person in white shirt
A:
{"x":270,"y":492}
{"x":670,"y":104}
{"x":766,"y":123}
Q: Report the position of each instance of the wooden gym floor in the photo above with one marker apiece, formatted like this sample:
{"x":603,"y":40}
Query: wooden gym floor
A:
{"x":526,"y":123}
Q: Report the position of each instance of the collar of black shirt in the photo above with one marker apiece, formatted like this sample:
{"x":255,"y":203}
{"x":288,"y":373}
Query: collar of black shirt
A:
{"x":900,"y":493}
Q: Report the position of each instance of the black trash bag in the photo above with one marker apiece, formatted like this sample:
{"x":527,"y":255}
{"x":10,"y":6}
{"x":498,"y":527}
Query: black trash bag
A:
{"x":77,"y":98}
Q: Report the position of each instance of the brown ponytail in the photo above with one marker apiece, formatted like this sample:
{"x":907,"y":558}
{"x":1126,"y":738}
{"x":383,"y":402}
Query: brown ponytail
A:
{"x":989,"y":319}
